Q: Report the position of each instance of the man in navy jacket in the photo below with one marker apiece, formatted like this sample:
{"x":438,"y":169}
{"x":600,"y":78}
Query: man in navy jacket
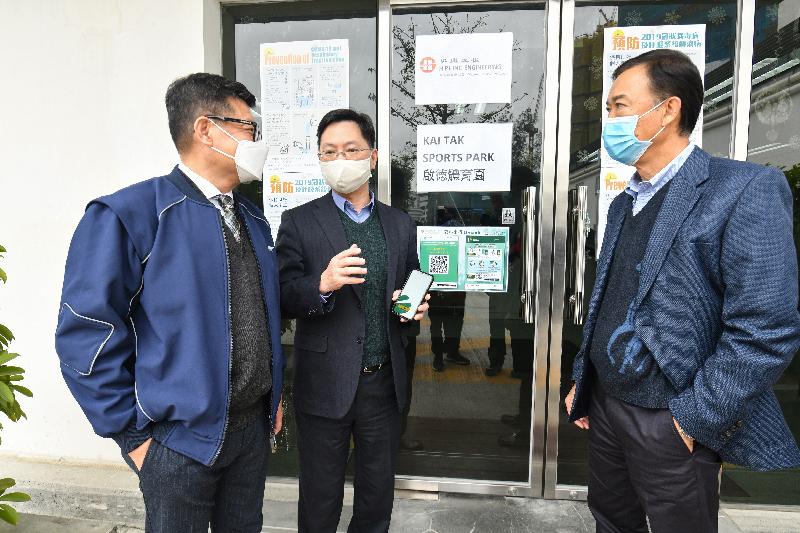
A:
{"x":693,"y":317}
{"x":169,"y":326}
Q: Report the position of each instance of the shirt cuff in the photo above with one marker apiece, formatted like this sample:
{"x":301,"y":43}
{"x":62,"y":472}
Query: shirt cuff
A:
{"x":131,"y":438}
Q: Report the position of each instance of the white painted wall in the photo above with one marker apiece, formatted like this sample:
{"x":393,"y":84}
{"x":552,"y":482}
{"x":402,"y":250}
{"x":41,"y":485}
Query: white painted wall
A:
{"x":82,"y":115}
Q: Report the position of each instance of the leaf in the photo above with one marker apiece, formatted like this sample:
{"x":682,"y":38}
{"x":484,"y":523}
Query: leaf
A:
{"x":5,"y":335}
{"x":5,"y":357}
{"x":11,"y":370}
{"x":2,"y":250}
{"x":6,"y":483}
{"x":8,"y":514}
{"x":3,"y":276}
{"x":17,"y":497}
{"x":22,"y":390}
{"x":5,"y":393}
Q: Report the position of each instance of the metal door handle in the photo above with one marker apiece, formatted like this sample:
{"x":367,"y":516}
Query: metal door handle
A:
{"x":529,"y":255}
{"x":578,"y":211}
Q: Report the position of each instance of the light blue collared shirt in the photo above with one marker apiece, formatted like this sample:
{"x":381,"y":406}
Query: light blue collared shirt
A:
{"x":642,"y":191}
{"x":346,"y":207}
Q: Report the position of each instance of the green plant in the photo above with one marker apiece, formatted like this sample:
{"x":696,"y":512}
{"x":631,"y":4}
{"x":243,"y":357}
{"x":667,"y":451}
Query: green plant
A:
{"x":10,"y":377}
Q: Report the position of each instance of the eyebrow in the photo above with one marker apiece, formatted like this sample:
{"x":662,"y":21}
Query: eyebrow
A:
{"x":616,"y":97}
{"x":348,"y":143}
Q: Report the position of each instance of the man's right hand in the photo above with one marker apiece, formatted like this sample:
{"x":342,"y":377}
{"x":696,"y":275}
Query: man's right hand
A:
{"x":582,"y":423}
{"x":137,"y":455}
{"x":342,"y":270}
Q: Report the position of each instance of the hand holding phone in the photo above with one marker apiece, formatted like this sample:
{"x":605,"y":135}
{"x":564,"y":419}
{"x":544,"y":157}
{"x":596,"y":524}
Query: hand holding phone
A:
{"x":412,"y":295}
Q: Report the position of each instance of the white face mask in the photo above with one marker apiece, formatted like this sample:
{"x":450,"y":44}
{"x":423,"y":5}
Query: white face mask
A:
{"x":344,"y":175}
{"x":249,"y":158}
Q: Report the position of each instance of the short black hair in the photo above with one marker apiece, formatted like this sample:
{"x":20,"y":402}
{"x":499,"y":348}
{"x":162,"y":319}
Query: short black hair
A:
{"x":672,"y":73}
{"x":200,"y":94}
{"x":348,"y":115}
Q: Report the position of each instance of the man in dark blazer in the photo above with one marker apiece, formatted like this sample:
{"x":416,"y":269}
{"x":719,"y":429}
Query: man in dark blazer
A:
{"x":342,"y":260}
{"x":693,"y":317}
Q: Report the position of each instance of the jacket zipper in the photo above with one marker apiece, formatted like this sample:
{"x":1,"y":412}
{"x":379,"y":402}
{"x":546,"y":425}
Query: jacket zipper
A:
{"x":230,"y":345}
{"x":270,"y":403}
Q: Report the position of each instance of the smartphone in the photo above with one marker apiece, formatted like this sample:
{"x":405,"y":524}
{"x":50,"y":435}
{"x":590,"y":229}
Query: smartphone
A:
{"x":414,"y":291}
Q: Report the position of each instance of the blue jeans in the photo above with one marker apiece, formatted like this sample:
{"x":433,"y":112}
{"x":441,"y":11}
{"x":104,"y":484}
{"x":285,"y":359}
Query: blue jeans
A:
{"x":182,"y":495}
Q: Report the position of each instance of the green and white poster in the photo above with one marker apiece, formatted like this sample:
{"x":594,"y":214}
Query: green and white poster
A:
{"x":464,"y":258}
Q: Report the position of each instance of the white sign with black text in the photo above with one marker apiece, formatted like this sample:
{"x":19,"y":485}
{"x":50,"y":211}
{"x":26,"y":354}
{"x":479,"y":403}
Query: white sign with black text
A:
{"x":464,"y":157}
{"x":463,"y":68}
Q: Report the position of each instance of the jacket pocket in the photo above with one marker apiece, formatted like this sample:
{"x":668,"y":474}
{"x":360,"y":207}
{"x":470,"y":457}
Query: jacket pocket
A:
{"x":80,"y":339}
{"x":311,"y":343}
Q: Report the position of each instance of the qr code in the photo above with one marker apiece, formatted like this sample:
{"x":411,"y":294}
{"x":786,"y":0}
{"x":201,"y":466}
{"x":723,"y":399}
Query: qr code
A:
{"x":439,"y":264}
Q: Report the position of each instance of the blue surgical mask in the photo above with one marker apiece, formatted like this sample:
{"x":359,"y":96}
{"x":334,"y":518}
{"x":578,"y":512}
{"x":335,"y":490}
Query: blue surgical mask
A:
{"x":620,"y":141}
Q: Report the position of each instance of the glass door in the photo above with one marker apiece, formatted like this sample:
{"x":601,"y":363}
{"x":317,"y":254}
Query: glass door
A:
{"x":581,"y":187}
{"x":465,"y":162}
{"x":245,"y":29}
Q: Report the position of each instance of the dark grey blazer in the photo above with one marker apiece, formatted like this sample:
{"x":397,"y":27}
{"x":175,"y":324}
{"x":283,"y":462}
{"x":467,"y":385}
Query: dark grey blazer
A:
{"x":329,"y":340}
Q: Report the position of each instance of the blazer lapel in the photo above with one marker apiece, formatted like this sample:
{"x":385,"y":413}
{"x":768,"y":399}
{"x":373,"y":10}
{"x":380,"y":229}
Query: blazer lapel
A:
{"x":680,"y":199}
{"x":327,"y":215}
{"x":613,"y":228}
{"x":392,"y":246}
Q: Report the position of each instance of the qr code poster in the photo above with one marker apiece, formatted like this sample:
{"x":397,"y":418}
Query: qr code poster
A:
{"x":439,"y":264}
{"x":465,"y":258}
{"x":441,"y":260}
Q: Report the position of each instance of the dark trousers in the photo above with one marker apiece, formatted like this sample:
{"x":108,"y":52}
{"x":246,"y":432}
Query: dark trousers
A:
{"x":497,"y":342}
{"x":639,"y":467}
{"x":447,"y":319}
{"x":184,"y":496}
{"x":411,"y":361}
{"x":373,"y":423}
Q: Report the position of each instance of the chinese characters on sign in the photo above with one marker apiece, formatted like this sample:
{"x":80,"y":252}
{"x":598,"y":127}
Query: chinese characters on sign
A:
{"x":291,"y":189}
{"x":464,"y":157}
{"x":621,"y":44}
{"x":463,"y":69}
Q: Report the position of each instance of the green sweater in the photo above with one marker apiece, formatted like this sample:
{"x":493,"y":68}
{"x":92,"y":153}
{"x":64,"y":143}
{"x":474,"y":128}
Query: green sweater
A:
{"x":369,"y":237}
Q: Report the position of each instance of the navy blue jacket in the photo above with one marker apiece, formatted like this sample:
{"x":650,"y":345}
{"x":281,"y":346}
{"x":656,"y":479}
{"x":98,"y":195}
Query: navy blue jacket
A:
{"x":144,"y":331}
{"x":716,"y":306}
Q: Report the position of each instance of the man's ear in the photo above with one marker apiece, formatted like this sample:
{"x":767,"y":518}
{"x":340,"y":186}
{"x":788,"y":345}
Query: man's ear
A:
{"x":374,"y":158}
{"x":202,"y":131}
{"x":673,"y":109}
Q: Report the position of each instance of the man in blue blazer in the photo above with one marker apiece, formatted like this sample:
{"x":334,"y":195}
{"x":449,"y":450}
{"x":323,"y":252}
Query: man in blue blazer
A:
{"x":693,"y":317}
{"x":169,"y":327}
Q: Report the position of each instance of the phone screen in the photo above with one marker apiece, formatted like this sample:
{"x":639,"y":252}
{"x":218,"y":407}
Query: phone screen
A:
{"x":412,"y":295}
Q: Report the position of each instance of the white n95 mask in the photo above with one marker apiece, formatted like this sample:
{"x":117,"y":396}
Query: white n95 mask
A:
{"x":249,"y":158}
{"x":344,"y":175}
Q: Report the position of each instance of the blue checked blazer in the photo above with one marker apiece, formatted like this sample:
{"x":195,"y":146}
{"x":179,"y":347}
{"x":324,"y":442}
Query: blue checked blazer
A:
{"x":717,"y":306}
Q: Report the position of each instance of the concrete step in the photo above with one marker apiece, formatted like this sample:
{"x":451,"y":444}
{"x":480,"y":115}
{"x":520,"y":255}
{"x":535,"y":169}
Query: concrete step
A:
{"x":88,"y":497}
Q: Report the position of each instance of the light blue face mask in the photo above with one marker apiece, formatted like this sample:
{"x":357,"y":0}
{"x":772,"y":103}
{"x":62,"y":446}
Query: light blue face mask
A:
{"x":621,"y":142}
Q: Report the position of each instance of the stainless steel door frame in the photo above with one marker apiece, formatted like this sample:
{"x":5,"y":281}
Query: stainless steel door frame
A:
{"x":559,"y":248}
{"x":535,"y":485}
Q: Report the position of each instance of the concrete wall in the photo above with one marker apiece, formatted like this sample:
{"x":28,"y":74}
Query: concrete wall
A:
{"x":82,"y":114}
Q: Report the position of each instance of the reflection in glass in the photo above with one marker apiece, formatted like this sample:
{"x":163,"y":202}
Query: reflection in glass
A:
{"x":472,"y":358}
